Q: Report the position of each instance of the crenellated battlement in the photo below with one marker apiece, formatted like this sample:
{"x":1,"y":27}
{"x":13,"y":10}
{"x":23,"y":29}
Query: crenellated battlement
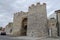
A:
{"x":21,"y":13}
{"x":33,"y":5}
{"x":32,"y":9}
{"x":44,"y":3}
{"x":38,"y":5}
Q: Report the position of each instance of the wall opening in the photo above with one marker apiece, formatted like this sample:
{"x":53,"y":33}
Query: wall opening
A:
{"x":24,"y":27}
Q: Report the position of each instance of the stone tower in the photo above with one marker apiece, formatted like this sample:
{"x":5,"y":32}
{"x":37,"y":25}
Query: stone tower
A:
{"x":32,"y":23}
{"x":37,"y":21}
{"x":58,"y":20}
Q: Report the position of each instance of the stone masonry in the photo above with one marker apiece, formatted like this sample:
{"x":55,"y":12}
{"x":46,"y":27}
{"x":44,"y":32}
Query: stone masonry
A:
{"x":17,"y":22}
{"x":52,"y":29}
{"x":58,"y":20}
{"x":36,"y":21}
{"x":8,"y":28}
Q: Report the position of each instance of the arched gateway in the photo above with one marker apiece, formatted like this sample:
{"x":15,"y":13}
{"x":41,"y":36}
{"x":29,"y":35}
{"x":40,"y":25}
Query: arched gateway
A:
{"x":24,"y":27}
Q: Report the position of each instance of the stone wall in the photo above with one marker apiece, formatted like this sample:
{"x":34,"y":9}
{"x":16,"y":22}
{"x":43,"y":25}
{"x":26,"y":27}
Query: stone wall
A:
{"x":52,"y":27}
{"x":58,"y":20}
{"x":37,"y":21}
{"x":17,"y":22}
{"x":8,"y":28}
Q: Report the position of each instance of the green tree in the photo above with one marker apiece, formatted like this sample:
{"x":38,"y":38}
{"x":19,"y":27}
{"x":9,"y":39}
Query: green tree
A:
{"x":0,"y":28}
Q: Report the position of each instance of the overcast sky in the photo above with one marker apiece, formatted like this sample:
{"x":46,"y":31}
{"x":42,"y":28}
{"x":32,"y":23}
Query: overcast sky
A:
{"x":9,"y":7}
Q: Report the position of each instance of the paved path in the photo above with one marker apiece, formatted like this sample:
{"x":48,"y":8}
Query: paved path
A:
{"x":41,"y":38}
{"x":7,"y":38}
{"x":25,"y":38}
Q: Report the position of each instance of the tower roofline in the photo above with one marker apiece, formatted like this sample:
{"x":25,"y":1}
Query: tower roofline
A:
{"x":44,"y":3}
{"x":37,"y":4}
{"x":58,"y":11}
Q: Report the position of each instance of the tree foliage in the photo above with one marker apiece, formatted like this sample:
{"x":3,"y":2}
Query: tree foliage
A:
{"x":0,"y":28}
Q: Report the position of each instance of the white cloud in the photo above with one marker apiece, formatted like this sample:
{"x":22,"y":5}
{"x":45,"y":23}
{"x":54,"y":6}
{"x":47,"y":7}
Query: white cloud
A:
{"x":20,"y":1}
{"x":1,"y":15}
{"x":50,"y":13}
{"x":9,"y":7}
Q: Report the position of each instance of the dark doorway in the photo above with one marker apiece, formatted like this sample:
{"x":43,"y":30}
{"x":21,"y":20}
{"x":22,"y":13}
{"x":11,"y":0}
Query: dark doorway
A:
{"x":24,"y":27}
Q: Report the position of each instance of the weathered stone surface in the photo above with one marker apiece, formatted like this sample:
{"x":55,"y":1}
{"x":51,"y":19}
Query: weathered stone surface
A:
{"x":52,"y":26}
{"x":17,"y":22}
{"x":8,"y":28}
{"x":36,"y":21}
{"x":58,"y":20}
